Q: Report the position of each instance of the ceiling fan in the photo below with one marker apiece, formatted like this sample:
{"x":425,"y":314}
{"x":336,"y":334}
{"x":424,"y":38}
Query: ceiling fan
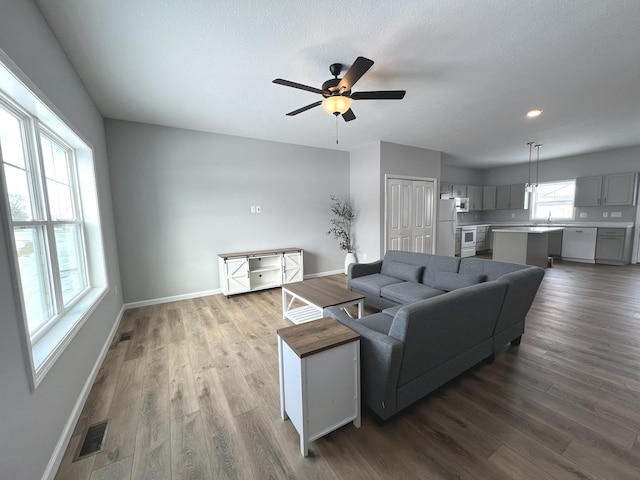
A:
{"x":337,"y":91}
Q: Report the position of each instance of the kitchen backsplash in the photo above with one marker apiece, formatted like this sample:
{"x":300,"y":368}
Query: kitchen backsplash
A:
{"x":593,"y":214}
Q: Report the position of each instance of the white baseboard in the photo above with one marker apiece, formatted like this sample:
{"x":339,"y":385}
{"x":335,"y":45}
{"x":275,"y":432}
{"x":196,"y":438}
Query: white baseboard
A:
{"x":174,"y":298}
{"x":65,"y":438}
{"x":206,"y":293}
{"x":323,"y":274}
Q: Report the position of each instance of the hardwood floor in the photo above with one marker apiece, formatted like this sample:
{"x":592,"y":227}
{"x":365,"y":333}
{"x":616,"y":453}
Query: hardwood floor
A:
{"x":194,"y":395}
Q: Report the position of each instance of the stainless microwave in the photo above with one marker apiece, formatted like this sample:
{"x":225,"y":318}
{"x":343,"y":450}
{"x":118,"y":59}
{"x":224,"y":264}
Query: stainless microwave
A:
{"x":462,"y":204}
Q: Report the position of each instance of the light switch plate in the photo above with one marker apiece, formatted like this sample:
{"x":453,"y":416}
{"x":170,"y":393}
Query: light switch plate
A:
{"x":616,"y":214}
{"x":583,"y":214}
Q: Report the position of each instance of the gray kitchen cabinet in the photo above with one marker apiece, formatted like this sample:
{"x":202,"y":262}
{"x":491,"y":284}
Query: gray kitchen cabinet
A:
{"x":503,"y":197}
{"x":481,"y":239}
{"x":475,"y":198}
{"x":489,"y":197}
{"x":446,"y":189}
{"x":555,"y":244}
{"x":511,"y":197}
{"x":588,"y":191}
{"x":460,"y":191}
{"x":613,"y":246}
{"x":617,"y":189}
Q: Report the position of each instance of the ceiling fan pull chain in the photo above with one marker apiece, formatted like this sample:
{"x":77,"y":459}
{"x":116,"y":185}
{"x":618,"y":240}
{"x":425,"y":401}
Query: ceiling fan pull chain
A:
{"x":336,"y":129}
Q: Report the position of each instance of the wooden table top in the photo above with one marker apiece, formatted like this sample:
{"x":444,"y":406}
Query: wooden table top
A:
{"x":314,"y":337}
{"x":321,"y":293}
{"x":258,"y":253}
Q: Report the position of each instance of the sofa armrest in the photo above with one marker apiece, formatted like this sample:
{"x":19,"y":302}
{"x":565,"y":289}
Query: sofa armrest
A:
{"x":522,"y":286}
{"x":361,"y":269}
{"x":380,"y":360}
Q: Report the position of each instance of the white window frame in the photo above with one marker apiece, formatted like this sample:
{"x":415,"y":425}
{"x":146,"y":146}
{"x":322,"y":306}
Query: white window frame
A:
{"x":534,"y":202}
{"x":45,"y":347}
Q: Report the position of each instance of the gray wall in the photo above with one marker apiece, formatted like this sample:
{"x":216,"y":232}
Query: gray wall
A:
{"x":620,"y":160}
{"x":461,"y":175}
{"x":369,"y":166}
{"x":181,"y":197}
{"x":403,"y":160}
{"x":364,"y":177}
{"x":32,"y":422}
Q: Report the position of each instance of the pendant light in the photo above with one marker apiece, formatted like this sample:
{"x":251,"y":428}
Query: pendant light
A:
{"x":528,"y":186}
{"x":537,"y":145}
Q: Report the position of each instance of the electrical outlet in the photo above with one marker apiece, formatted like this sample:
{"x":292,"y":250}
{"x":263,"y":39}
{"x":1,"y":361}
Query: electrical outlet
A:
{"x":605,"y":214}
{"x":583,"y":214}
{"x":513,"y":215}
{"x":253,"y":209}
{"x":616,"y":214}
{"x":364,"y":256}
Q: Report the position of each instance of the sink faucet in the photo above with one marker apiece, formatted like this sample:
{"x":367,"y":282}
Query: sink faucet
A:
{"x":549,"y":218}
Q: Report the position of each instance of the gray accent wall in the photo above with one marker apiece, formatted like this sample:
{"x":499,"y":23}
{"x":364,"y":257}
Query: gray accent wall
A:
{"x":181,"y":197}
{"x":364,"y":176}
{"x":32,"y":422}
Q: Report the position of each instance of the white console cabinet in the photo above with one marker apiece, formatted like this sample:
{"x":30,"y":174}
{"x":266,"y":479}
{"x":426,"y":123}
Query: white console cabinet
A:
{"x":242,"y":272}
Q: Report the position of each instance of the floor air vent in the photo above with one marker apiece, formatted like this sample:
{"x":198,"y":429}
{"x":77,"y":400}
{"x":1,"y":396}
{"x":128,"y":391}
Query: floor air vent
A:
{"x":124,"y":336}
{"x":93,"y":441}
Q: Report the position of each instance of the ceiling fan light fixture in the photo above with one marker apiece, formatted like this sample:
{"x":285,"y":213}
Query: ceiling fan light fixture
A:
{"x":336,"y":104}
{"x":536,"y":112}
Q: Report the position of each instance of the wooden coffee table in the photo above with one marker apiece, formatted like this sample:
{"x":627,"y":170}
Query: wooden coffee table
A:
{"x":316,"y":294}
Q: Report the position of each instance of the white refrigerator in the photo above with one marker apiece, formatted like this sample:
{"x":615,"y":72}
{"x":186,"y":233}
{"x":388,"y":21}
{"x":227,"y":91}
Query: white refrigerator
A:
{"x":447,"y":223}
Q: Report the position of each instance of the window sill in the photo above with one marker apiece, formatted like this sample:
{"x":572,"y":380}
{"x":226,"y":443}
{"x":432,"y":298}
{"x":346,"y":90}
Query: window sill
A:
{"x":50,"y":346}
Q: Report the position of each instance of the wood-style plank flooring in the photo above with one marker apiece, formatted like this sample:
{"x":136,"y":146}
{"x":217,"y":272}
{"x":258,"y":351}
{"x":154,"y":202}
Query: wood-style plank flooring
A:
{"x":194,"y":395}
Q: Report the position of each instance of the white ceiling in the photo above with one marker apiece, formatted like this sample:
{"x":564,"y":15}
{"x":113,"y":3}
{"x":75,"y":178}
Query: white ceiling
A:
{"x":471,"y":70}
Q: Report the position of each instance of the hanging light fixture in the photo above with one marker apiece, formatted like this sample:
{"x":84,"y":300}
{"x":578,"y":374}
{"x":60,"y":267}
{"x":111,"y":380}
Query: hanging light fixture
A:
{"x":528,"y":186}
{"x":537,"y":145}
{"x":336,"y":104}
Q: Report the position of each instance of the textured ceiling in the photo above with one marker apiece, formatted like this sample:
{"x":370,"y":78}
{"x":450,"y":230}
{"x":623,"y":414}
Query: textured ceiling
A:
{"x":471,"y":70}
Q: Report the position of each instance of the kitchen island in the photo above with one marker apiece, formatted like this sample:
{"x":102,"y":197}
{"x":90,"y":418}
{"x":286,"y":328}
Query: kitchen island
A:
{"x":524,"y":245}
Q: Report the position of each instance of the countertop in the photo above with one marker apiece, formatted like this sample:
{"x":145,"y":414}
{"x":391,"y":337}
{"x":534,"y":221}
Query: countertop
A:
{"x":527,"y":229}
{"x":554,"y":224}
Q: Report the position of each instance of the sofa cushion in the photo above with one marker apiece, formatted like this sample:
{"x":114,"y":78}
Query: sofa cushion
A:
{"x":371,"y":284}
{"x":438,"y":264}
{"x":392,"y":310}
{"x":403,"y":271}
{"x":380,"y":322}
{"x":449,"y":281}
{"x":491,"y":268}
{"x":409,"y":292}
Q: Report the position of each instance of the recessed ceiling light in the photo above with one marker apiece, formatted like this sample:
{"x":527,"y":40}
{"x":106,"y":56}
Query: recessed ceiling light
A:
{"x":536,"y":112}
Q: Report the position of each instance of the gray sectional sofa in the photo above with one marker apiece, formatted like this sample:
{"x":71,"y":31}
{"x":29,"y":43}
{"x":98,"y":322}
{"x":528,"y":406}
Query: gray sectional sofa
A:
{"x":439,"y":317}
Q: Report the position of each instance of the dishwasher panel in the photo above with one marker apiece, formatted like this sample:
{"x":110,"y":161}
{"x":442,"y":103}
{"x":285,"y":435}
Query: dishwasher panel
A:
{"x":579,"y":244}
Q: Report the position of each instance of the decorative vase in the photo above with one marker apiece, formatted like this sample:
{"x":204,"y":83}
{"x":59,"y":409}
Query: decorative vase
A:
{"x":349,"y":259}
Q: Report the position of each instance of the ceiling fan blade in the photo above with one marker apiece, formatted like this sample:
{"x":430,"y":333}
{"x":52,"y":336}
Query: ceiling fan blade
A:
{"x":379,"y":95}
{"x":359,"y":68}
{"x":348,"y":115}
{"x":304,"y":109}
{"x":287,"y":83}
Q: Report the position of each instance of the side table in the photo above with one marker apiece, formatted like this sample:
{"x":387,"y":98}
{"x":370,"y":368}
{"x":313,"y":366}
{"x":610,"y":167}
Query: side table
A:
{"x":319,"y":365}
